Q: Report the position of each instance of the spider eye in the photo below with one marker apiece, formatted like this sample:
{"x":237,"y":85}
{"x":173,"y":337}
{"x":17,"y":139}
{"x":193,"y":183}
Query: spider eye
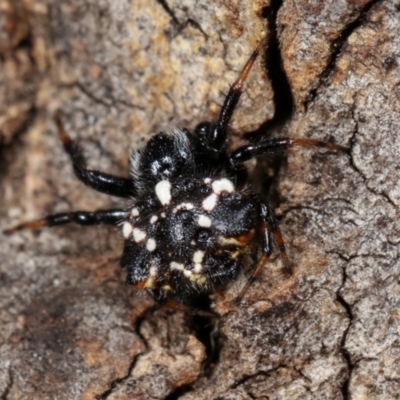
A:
{"x":166,"y":167}
{"x":203,"y":129}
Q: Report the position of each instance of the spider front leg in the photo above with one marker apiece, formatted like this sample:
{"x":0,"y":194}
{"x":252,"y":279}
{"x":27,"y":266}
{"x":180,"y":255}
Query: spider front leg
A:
{"x":269,"y":226}
{"x":106,"y":217}
{"x":100,"y":181}
{"x":247,"y":152}
{"x":214,"y":135}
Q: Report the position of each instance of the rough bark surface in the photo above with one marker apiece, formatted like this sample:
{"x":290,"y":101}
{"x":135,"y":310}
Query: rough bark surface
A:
{"x":122,"y":70}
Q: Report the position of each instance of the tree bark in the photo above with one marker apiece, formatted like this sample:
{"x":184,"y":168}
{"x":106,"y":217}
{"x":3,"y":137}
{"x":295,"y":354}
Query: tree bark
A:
{"x":123,"y":70}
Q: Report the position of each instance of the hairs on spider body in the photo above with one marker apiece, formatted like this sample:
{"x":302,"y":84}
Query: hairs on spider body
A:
{"x":193,"y":216}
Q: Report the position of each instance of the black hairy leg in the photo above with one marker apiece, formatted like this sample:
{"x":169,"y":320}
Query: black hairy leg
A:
{"x":247,"y":152}
{"x":269,"y":226}
{"x":219,"y":129}
{"x":99,"y":217}
{"x":100,"y":181}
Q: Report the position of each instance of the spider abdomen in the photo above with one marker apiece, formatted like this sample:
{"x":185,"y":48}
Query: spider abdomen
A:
{"x":187,"y":234}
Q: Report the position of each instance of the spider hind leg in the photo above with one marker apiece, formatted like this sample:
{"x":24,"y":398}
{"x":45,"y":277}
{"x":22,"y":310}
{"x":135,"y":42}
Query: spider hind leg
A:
{"x":105,"y":217}
{"x":269,"y":226}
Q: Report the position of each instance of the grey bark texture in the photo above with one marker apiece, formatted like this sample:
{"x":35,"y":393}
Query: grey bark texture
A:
{"x":122,"y":70}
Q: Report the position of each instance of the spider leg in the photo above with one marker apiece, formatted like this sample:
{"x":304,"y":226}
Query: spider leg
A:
{"x":250,"y":151}
{"x":269,"y":226}
{"x":100,"y":181}
{"x":218,"y":133}
{"x":106,"y":217}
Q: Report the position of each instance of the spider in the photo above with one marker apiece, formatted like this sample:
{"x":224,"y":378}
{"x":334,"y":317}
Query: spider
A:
{"x":193,"y":216}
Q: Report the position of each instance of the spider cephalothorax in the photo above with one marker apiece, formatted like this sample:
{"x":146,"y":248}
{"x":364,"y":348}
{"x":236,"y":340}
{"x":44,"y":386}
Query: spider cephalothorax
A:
{"x":193,"y":215}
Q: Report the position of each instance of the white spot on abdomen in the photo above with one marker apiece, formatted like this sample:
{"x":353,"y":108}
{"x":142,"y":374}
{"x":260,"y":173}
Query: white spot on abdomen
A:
{"x":127,"y":229}
{"x":204,"y":221}
{"x":153,"y":219}
{"x":198,"y":256}
{"x":209,"y":202}
{"x":151,"y":244}
{"x":177,"y":266}
{"x":134,"y":212}
{"x":183,"y":206}
{"x":223,"y":185}
{"x":163,"y":192}
{"x":198,"y":268}
{"x":153,"y":269}
{"x":138,"y":235}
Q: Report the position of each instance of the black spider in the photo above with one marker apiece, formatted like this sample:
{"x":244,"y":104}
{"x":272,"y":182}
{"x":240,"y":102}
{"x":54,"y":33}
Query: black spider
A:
{"x":193,"y":216}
